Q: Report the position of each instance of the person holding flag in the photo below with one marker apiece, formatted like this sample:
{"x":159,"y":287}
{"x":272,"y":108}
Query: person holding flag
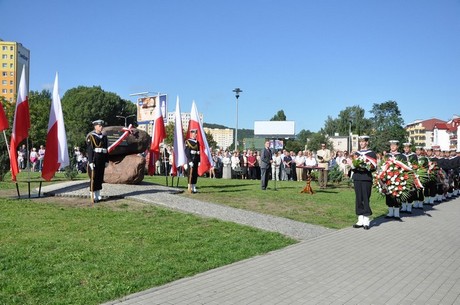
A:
{"x":192,"y":153}
{"x":97,"y":144}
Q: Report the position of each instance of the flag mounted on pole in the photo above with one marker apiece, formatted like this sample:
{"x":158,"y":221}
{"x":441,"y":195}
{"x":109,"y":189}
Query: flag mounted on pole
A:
{"x":158,"y":136}
{"x":21,"y":123}
{"x":179,"y":152}
{"x":57,"y":154}
{"x":206,"y":161}
{"x":4,"y":125}
{"x":3,"y":120}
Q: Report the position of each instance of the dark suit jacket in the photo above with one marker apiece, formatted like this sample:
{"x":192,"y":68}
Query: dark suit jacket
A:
{"x":265,"y":157}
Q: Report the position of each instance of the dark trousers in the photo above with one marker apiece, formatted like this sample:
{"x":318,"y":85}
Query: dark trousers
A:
{"x":264,"y":176}
{"x":363,"y":194}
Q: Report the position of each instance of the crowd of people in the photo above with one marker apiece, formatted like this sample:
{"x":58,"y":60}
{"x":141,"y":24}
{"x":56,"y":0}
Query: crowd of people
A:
{"x":32,"y":159}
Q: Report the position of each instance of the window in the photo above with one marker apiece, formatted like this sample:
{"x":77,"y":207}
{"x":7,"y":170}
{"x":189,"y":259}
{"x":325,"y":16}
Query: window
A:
{"x":4,"y":74}
{"x":4,"y":48}
{"x":11,"y":73}
{"x":11,"y":48}
{"x":4,"y":65}
{"x":4,"y":82}
{"x":4,"y":91}
{"x":11,"y":66}
{"x":11,"y":83}
{"x":11,"y":56}
{"x":4,"y":56}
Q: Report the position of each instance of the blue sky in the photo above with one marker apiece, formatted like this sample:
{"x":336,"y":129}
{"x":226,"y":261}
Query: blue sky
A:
{"x":311,"y":59}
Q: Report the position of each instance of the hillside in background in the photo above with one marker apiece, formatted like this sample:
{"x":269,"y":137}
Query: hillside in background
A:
{"x":242,"y":133}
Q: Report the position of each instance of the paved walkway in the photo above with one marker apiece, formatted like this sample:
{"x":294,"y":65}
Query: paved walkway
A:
{"x":416,"y":261}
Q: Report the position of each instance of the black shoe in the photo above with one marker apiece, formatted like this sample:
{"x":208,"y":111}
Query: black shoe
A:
{"x":388,"y":217}
{"x":357,"y":226}
{"x":403,"y":212}
{"x":366,"y":227}
{"x":397,"y":218}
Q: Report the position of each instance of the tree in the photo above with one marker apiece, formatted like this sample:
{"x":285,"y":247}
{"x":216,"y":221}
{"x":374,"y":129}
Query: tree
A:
{"x":316,"y":139}
{"x":82,"y":105}
{"x":387,"y":125}
{"x":350,"y":115}
{"x":279,"y":116}
{"x":39,"y":109}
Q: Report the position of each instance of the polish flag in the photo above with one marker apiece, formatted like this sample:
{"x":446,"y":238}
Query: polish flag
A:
{"x":21,"y":123}
{"x":206,"y":161}
{"x":159,"y":133}
{"x":56,"y":153}
{"x":3,"y":120}
{"x":179,"y":152}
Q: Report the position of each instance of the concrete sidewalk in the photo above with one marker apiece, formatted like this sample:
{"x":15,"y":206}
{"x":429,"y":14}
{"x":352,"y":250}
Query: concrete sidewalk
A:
{"x":416,"y":261}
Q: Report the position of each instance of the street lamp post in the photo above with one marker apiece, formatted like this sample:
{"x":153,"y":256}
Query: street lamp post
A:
{"x":349,"y":136}
{"x":237,"y":95}
{"x":125,"y":118}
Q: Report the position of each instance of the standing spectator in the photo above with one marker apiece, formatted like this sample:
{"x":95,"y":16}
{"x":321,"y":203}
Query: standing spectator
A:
{"x":362,"y":179}
{"x":258,"y":171}
{"x":287,"y":160}
{"x":265,"y":165}
{"x":23,"y":152}
{"x":311,"y":162}
{"x":34,"y":159}
{"x":236,"y":169}
{"x":227,"y":168}
{"x":252,"y":160}
{"x":293,"y":166}
{"x":276,"y":164}
{"x":323,"y":156}
{"x":41,"y":156}
{"x":97,"y":144}
{"x":299,"y":164}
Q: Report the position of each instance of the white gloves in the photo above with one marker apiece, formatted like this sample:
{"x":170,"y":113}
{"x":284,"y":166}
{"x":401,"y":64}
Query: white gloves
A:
{"x":91,"y":165}
{"x":190,"y":164}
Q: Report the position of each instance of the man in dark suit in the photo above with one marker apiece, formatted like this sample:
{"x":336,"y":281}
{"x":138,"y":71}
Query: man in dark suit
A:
{"x":265,"y":165}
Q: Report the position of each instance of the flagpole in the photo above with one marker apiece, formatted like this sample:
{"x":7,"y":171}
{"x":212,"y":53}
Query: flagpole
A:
{"x":166,"y":167}
{"x":7,"y":146}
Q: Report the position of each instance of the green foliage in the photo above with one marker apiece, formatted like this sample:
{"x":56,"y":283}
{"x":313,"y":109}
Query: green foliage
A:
{"x":279,"y":116}
{"x":82,"y":105}
{"x":4,"y":161}
{"x":349,"y":117}
{"x":335,"y":175}
{"x":39,"y":109}
{"x":387,"y":125}
{"x":316,"y":139}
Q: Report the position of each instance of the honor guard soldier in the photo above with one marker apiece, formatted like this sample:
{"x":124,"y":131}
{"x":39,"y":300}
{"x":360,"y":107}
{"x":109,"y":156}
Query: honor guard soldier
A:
{"x":97,"y":144}
{"x":406,"y":206}
{"x":430,"y":189}
{"x":362,"y":180}
{"x":422,"y":162}
{"x":192,"y":153}
{"x":392,"y":202}
{"x":440,"y":161}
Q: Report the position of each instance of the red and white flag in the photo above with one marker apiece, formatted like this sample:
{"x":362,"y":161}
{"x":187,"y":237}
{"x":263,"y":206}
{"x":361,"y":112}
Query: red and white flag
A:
{"x":56,"y":151}
{"x":206,"y":161}
{"x":158,"y":136}
{"x":21,"y":123}
{"x":179,"y":152}
{"x":3,"y":120}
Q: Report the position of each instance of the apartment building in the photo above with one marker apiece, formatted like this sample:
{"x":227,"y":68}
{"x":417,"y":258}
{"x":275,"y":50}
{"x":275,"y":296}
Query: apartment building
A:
{"x":13,"y":56}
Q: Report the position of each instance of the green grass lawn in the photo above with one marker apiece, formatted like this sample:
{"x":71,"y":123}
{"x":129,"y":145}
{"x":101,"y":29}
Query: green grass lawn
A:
{"x":333,"y":207}
{"x":53,"y":252}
